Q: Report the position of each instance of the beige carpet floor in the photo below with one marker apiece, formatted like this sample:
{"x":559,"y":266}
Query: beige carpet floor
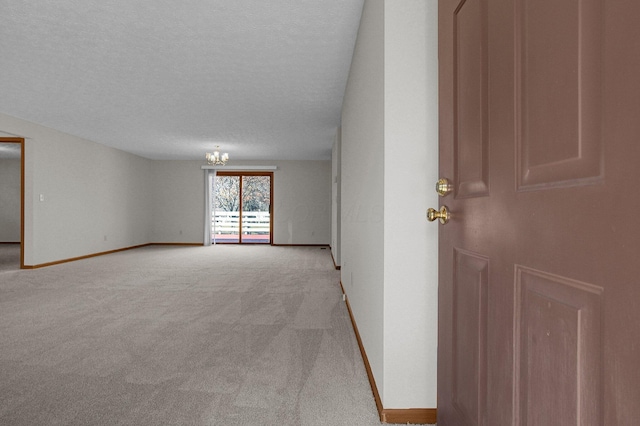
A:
{"x":221,"y":335}
{"x":9,"y":257}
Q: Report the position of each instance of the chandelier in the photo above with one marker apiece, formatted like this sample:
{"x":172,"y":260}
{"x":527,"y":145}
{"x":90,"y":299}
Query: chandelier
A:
{"x":216,"y":159}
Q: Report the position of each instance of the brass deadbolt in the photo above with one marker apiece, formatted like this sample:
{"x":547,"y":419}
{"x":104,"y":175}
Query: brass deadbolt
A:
{"x":443,"y":187}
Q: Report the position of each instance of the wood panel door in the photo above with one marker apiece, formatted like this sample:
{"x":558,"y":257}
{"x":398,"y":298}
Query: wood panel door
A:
{"x":539,"y":316}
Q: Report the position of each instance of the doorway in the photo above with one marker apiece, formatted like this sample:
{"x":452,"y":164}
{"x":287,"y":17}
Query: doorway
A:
{"x":241,"y":212}
{"x":11,"y":203}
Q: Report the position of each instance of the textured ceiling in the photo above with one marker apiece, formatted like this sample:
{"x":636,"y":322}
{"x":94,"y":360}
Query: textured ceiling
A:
{"x":171,"y":79}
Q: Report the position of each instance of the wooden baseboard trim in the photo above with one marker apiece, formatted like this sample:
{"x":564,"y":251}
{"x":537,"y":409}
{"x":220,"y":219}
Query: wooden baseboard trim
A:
{"x":334,"y":261}
{"x":300,"y":245}
{"x":175,"y":244}
{"x":404,"y":416}
{"x":88,"y":256}
{"x":409,"y":416}
{"x":365,"y":359}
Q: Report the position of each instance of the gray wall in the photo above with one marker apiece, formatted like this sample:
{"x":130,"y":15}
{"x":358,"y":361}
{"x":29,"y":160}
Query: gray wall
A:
{"x":10,"y":201}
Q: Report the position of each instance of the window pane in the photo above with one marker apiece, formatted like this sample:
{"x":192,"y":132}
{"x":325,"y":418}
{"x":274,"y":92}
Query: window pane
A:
{"x":256,"y":207}
{"x":226,"y":217}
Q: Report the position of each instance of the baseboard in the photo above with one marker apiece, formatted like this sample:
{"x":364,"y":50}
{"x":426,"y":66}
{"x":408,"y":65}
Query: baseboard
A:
{"x":300,"y":245}
{"x":404,"y":416}
{"x":334,"y":260}
{"x":409,"y":416}
{"x":9,"y":242}
{"x":175,"y":244}
{"x":88,"y":256}
{"x":365,"y":359}
{"x":73,"y":259}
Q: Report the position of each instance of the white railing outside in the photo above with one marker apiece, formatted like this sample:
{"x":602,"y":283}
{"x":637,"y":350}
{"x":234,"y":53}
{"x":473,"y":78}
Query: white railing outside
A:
{"x":253,"y":223}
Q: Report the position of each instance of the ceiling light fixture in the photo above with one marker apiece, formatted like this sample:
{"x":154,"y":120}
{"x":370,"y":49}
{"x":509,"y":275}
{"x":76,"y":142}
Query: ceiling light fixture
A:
{"x":215,"y":159}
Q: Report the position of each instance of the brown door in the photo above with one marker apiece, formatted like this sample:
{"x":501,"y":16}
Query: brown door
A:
{"x":539,"y":304}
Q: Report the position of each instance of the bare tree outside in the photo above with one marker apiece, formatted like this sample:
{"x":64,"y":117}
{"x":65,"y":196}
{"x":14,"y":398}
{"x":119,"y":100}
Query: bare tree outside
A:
{"x":227,"y":193}
{"x":256,"y":193}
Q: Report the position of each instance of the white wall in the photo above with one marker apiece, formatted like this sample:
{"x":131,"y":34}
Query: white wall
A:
{"x":336,"y":197}
{"x":411,"y":170}
{"x":301,"y":201}
{"x":178,"y":202}
{"x":389,"y":167}
{"x":10,"y":200}
{"x":362,"y":191}
{"x":95,"y":198}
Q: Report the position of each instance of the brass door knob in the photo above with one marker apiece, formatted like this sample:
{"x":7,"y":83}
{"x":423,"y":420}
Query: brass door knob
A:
{"x":443,"y":215}
{"x":443,"y":187}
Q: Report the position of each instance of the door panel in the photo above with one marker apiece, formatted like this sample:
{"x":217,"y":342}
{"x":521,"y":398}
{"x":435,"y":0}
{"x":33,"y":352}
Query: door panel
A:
{"x":471,"y":153}
{"x":558,"y":46}
{"x":470,"y":285}
{"x":256,"y":209}
{"x":227,"y":207}
{"x":558,"y":349}
{"x":539,"y":271}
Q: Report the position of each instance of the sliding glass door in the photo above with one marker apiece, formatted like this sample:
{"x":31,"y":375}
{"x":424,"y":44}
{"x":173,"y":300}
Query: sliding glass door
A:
{"x":242,"y":208}
{"x":256,"y":209}
{"x":225,"y":220}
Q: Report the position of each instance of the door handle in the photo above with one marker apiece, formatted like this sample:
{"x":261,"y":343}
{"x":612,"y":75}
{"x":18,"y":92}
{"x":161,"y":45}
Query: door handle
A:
{"x":443,"y":187}
{"x":443,"y":215}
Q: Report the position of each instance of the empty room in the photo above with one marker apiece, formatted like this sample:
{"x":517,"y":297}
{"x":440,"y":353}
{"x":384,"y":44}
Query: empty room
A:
{"x":197,"y":229}
{"x":332,"y":212}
